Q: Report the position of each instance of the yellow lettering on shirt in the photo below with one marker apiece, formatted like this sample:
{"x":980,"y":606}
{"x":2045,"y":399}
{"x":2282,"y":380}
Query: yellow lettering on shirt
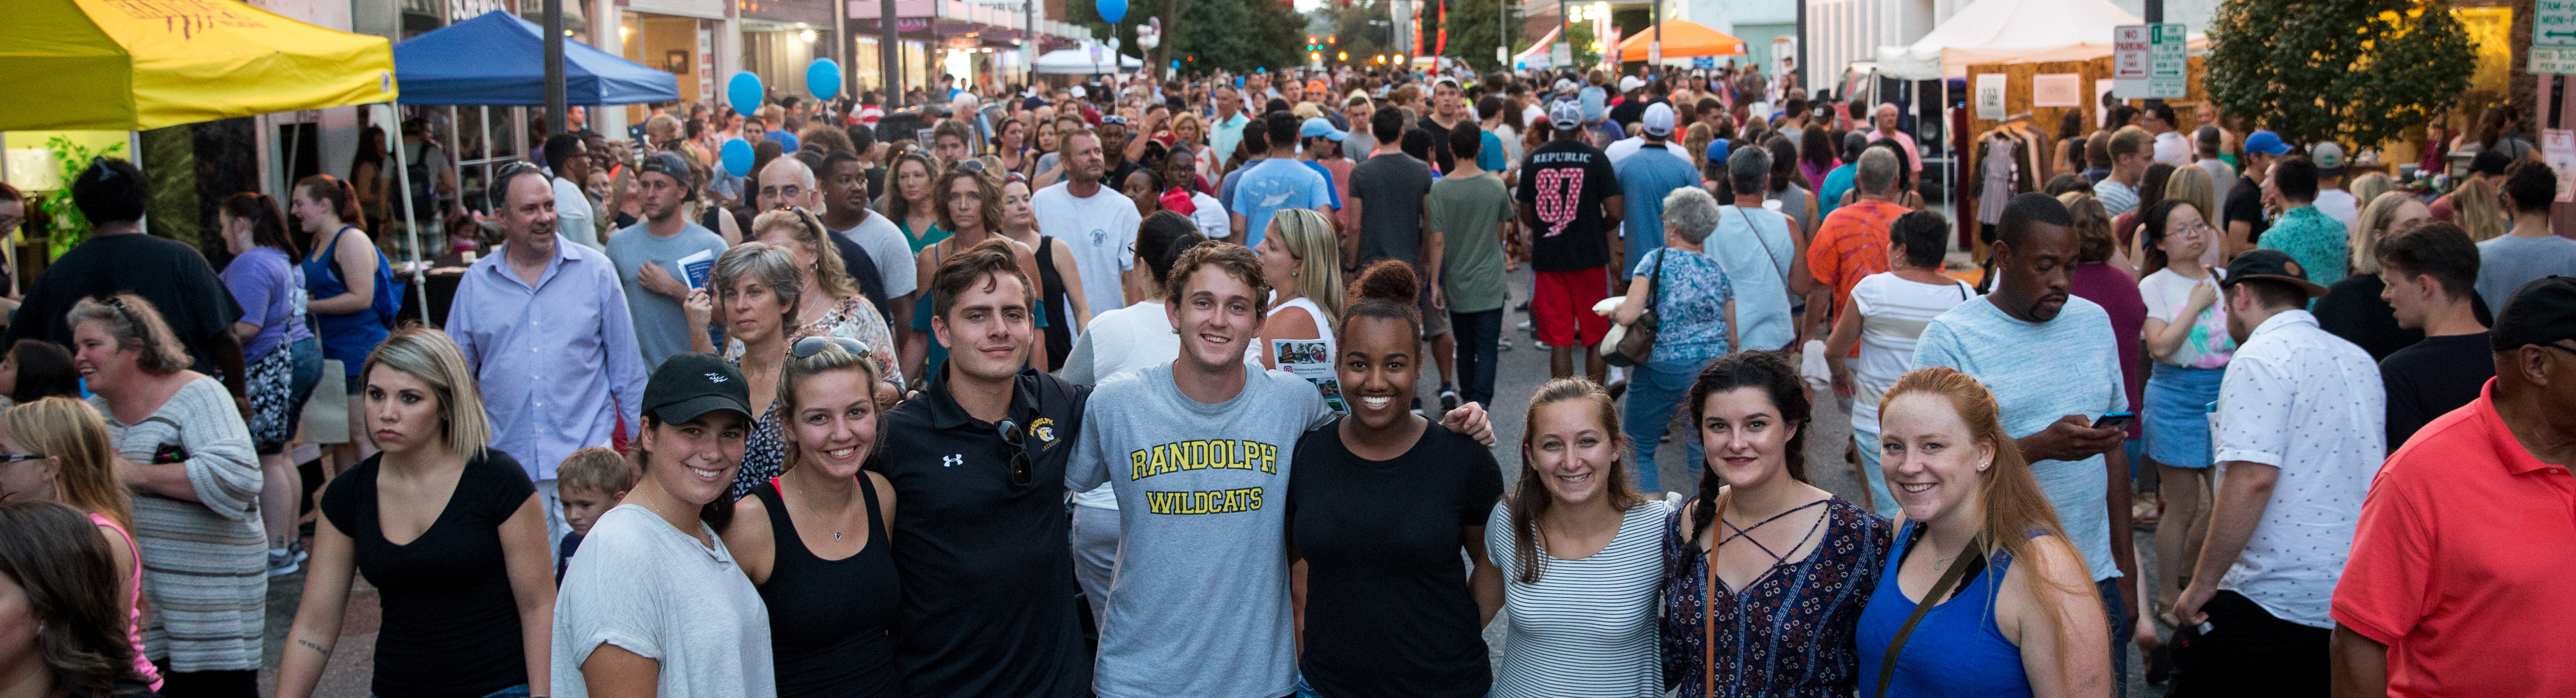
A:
{"x":1231,"y":501}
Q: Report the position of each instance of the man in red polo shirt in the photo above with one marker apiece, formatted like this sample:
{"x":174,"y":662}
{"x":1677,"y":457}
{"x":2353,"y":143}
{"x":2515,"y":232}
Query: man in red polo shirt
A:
{"x":2460,"y":562}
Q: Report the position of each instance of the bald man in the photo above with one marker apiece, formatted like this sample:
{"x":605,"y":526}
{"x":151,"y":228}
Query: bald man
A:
{"x":789,"y":182}
{"x":1885,"y":121}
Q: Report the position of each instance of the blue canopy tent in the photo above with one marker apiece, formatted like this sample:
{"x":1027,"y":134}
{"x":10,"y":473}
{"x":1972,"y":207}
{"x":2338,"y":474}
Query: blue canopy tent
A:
{"x":499,"y":59}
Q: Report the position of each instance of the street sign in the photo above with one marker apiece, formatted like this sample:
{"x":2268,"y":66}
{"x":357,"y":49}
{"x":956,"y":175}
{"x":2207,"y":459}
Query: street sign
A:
{"x":1655,"y":52}
{"x":2147,"y":61}
{"x":2553,"y":37}
{"x":2558,"y":148}
{"x":1560,"y":55}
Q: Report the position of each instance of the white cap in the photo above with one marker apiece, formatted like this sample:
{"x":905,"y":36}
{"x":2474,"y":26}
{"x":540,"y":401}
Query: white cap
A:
{"x":1659,"y":119}
{"x":1630,"y":82}
{"x":1077,"y":92}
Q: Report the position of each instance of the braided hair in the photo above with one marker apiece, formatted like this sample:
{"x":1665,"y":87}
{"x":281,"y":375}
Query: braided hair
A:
{"x":1762,"y":370}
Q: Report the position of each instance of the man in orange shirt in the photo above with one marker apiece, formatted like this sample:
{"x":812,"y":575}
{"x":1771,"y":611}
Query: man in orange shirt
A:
{"x":2461,"y":557}
{"x":1852,"y":242}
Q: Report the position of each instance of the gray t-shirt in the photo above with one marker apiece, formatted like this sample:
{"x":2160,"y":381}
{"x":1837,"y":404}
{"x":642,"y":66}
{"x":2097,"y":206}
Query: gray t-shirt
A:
{"x":2508,"y":262}
{"x":694,"y":612}
{"x":661,"y":326}
{"x":1200,"y":607}
{"x":1392,"y":187}
{"x":886,"y":246}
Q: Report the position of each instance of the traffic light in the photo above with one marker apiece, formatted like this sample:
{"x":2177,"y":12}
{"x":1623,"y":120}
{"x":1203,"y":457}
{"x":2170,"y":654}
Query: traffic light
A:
{"x":1344,"y":56}
{"x":1332,"y":39}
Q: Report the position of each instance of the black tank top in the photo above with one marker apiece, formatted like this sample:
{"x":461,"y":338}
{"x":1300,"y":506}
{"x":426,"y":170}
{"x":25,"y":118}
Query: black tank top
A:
{"x":1059,"y":334}
{"x":828,"y":618}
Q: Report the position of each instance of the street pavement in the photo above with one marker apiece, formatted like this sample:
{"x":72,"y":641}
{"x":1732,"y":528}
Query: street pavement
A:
{"x":1519,"y":373}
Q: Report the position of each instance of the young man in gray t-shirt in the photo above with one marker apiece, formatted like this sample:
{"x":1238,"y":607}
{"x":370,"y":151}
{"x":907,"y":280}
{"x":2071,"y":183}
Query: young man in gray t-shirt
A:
{"x":1198,"y":452}
{"x":648,"y":255}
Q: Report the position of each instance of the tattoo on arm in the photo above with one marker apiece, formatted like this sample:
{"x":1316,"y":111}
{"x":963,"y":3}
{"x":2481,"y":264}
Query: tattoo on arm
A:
{"x":326,"y":651}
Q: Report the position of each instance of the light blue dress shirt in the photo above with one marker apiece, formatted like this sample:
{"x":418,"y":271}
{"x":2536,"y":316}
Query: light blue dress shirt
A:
{"x":557,"y":362}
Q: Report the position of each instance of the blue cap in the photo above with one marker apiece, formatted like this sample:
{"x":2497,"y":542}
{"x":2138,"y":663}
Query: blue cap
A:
{"x":1319,"y":126}
{"x":1717,"y":150}
{"x":2266,"y":142}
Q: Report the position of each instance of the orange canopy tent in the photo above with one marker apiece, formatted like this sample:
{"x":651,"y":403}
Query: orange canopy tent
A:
{"x":1682,"y":39}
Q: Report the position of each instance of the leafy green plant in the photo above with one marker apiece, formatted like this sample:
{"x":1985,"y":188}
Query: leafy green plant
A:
{"x":67,"y":227}
{"x":2360,"y":70}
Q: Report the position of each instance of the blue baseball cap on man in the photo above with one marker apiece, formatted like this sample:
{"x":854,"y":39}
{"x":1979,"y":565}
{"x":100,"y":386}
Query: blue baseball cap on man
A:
{"x":1717,"y":151}
{"x":2266,"y":142}
{"x":1320,"y":126}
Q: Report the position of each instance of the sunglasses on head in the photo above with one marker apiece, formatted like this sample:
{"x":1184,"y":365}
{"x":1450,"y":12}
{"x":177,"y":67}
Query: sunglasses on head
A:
{"x":806,"y":348}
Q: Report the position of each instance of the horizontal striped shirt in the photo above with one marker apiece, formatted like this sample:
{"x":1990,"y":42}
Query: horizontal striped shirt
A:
{"x":205,"y":563}
{"x":1586,"y":629}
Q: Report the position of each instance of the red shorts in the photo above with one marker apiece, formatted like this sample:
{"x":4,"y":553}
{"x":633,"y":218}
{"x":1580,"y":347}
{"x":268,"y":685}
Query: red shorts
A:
{"x":1562,"y":307}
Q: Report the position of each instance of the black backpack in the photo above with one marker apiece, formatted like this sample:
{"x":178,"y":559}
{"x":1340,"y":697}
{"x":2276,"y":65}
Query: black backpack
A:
{"x":421,"y":195}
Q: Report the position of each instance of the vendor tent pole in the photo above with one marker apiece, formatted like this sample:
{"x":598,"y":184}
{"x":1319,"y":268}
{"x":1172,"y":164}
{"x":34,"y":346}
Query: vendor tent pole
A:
{"x":555,"y":97}
{"x":411,"y":224}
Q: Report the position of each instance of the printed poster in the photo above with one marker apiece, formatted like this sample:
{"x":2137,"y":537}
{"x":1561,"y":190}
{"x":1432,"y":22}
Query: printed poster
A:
{"x":1312,"y":360}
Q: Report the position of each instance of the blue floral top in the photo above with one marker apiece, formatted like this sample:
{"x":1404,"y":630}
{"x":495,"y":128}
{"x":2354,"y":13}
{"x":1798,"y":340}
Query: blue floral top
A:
{"x":1691,"y":303}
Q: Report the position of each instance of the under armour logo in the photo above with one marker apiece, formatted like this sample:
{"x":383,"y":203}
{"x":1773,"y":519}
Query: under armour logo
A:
{"x":715,"y":378}
{"x":952,"y":461}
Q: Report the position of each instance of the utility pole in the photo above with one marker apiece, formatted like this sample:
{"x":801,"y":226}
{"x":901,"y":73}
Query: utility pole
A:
{"x":889,"y":52}
{"x":555,"y":97}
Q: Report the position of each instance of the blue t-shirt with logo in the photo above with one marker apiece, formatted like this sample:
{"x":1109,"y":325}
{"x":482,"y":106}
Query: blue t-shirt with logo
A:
{"x":1272,"y":185}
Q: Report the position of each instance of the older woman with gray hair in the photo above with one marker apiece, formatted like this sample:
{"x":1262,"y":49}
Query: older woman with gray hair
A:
{"x":760,"y":288}
{"x":1694,"y":306}
{"x":187,"y":456}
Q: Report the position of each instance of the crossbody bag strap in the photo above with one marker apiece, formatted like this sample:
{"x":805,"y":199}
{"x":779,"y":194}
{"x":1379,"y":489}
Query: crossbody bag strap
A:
{"x":1766,"y":244}
{"x":1708,"y":624}
{"x":1940,"y":591}
{"x":1655,"y":279}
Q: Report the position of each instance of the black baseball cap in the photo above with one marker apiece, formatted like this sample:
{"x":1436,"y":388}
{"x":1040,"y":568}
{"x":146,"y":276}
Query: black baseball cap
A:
{"x":2490,"y":163}
{"x":2270,"y":264}
{"x":669,"y":164}
{"x":2541,"y":312}
{"x":690,"y":384}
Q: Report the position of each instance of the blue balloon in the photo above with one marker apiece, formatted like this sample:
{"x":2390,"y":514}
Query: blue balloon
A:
{"x":736,"y":155}
{"x":823,"y":78}
{"x":744,"y":93}
{"x":1112,"y":10}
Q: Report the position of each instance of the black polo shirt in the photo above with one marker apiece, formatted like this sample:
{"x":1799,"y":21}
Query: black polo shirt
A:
{"x":988,"y":588}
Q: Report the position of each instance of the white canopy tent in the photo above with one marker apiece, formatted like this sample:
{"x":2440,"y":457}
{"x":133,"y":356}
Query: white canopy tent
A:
{"x":1993,"y":31}
{"x":1087,"y":59}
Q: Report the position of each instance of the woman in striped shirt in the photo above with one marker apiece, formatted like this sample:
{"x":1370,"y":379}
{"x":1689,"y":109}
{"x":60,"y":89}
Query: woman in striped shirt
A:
{"x":1578,"y":551}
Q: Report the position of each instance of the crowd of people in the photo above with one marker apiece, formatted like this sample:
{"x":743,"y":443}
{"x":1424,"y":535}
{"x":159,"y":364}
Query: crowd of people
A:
{"x":1085,"y":395}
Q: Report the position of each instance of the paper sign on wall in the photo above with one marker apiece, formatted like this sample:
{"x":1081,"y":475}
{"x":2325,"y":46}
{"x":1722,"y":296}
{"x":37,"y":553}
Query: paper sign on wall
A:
{"x":1990,"y":96}
{"x":2057,"y":90}
{"x":2558,"y":148}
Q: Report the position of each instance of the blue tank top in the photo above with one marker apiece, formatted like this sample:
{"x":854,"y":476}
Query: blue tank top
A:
{"x":1956,"y":650}
{"x":348,"y":337}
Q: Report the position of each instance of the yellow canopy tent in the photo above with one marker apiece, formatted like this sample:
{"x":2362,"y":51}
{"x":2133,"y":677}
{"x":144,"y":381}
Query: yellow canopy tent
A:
{"x":125,"y":65}
{"x":1682,"y":39}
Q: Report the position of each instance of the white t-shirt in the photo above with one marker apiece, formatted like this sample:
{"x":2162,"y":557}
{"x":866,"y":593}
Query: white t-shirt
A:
{"x":1127,"y":340}
{"x":2209,"y":345}
{"x":645,"y":587}
{"x":1101,"y":230}
{"x":886,"y":246}
{"x":572,"y":215}
{"x":1209,"y":217}
{"x":1893,"y":312}
{"x":2339,"y":205}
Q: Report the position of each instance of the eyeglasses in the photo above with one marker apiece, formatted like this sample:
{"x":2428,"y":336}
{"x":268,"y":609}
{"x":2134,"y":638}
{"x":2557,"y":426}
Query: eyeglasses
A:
{"x":1010,"y":433}
{"x":1113,"y":119}
{"x":809,"y":346}
{"x":15,"y":457}
{"x":970,"y":165}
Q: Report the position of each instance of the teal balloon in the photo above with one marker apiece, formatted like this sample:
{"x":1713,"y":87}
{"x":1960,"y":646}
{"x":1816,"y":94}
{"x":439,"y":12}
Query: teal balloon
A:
{"x":736,"y":155}
{"x":823,"y":78}
{"x":743,"y":92}
{"x":1112,"y":10}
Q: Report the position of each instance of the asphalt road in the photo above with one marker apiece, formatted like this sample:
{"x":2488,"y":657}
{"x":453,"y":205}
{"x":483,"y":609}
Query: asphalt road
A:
{"x":1520,"y":372}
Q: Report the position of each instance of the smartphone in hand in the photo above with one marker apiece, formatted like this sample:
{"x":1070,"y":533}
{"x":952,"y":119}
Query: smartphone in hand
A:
{"x":2114,"y":420}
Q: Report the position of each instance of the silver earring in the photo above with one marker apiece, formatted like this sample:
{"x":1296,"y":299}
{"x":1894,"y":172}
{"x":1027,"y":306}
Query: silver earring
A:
{"x":1981,"y":467}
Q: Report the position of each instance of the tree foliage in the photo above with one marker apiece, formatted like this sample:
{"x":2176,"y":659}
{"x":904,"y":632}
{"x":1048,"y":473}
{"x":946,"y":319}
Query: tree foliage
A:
{"x":1360,"y":28}
{"x":1236,"y":35}
{"x":1472,"y":34}
{"x":2360,"y":70}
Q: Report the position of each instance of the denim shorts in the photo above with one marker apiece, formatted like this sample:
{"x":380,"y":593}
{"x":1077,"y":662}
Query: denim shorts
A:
{"x":2177,"y":420}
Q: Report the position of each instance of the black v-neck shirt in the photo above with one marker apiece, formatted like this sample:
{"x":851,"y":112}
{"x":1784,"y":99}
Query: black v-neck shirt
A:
{"x":451,"y":624}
